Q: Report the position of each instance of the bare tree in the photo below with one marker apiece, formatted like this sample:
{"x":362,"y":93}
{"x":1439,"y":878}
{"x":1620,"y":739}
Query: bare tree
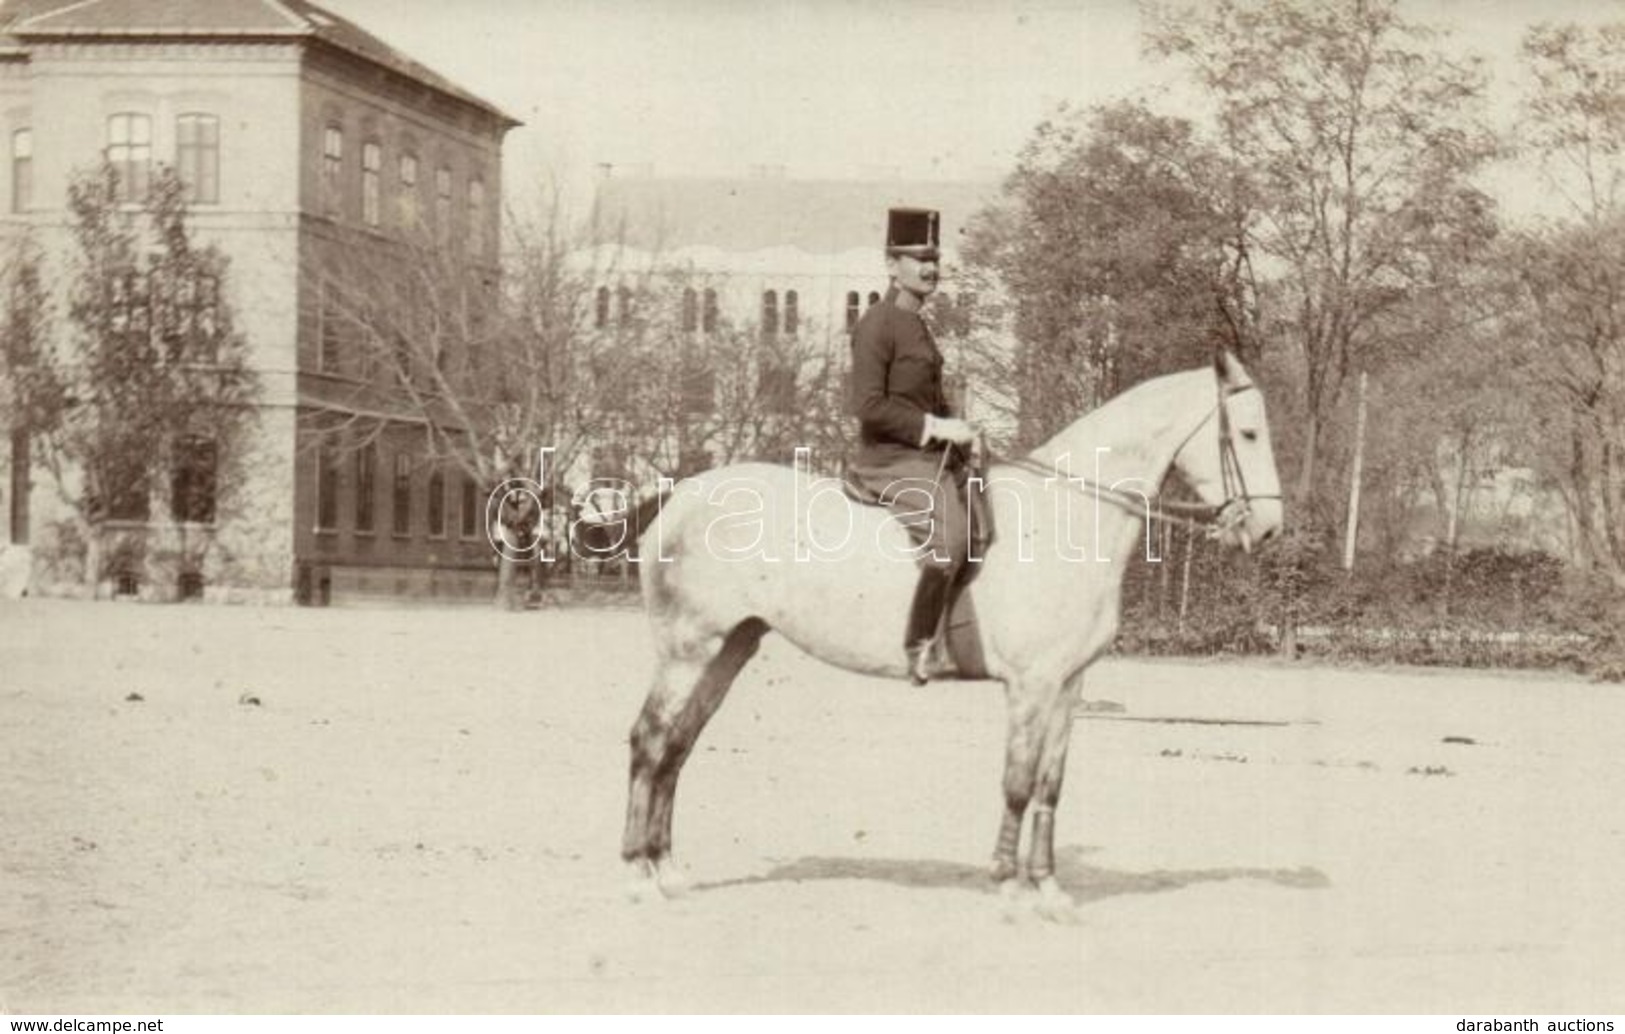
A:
{"x":719,"y":391}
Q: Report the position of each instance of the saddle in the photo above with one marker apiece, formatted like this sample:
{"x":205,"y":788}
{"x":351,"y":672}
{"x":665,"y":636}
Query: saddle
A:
{"x":957,"y":650}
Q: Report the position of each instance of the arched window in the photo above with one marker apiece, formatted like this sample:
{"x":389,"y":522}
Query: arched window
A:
{"x":770,"y":313}
{"x":372,"y":162}
{"x":442,"y":204}
{"x":600,"y":317}
{"x":366,"y":468}
{"x":437,"y":503}
{"x":401,"y":496}
{"x":623,"y":308}
{"x":476,"y":217}
{"x":408,"y":172}
{"x":853,"y":302}
{"x":874,"y":296}
{"x":327,"y":489}
{"x":332,"y":168}
{"x":708,"y":315}
{"x":792,"y":313}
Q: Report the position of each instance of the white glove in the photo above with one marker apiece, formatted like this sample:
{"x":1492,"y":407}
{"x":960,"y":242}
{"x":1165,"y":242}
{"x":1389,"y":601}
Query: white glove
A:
{"x":949,"y":429}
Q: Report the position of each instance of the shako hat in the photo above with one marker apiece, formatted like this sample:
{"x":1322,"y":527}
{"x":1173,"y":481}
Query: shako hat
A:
{"x":912,"y":231}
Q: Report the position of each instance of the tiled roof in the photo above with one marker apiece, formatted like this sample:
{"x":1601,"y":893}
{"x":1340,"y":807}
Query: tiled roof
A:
{"x":820,"y":216}
{"x":21,"y":19}
{"x":159,"y":17}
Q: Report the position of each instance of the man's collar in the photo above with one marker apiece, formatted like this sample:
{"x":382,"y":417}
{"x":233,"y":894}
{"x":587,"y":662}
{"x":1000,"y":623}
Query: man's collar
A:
{"x":895,"y":296}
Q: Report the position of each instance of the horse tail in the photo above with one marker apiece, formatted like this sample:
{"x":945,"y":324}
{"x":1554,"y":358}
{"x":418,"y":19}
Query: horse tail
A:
{"x":616,"y":534}
{"x":643,"y":515}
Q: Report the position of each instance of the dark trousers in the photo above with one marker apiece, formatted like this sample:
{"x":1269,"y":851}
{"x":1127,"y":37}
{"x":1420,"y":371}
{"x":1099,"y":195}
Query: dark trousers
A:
{"x":928,"y":496}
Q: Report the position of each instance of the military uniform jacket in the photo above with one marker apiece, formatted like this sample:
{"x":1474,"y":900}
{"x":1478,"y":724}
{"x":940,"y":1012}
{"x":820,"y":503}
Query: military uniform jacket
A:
{"x":896,"y":381}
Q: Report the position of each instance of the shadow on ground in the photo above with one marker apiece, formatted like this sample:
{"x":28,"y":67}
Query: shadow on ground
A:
{"x":1076,"y":876}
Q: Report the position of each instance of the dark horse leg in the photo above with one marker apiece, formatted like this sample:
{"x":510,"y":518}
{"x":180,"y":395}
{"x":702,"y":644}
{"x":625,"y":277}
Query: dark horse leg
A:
{"x":685,"y":694}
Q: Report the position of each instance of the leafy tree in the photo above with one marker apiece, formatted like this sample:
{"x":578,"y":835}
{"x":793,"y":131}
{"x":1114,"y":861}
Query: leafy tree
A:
{"x":1359,"y":135}
{"x":31,"y":394}
{"x":1571,"y":273}
{"x":1117,"y":250}
{"x":154,"y":400}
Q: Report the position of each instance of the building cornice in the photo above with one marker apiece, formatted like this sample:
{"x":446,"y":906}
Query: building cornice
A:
{"x":164,"y":47}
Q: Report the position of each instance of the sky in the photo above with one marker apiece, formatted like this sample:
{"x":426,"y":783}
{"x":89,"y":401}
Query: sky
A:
{"x":920,"y":89}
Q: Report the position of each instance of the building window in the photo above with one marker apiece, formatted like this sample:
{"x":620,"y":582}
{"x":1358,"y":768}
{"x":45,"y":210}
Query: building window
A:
{"x":332,"y":169}
{"x":600,"y":314}
{"x":442,"y":204}
{"x":623,"y":306}
{"x":401,"y":499}
{"x":852,"y":304}
{"x":770,"y":314}
{"x":874,"y":296}
{"x":197,"y":158}
{"x":699,"y":387}
{"x":192,"y":488}
{"x":437,"y":503}
{"x":476,"y":217}
{"x":470,"y":516}
{"x":408,"y":169}
{"x":708,"y":315}
{"x":327,"y":490}
{"x":776,"y":386}
{"x":792,"y":313}
{"x":126,"y":493}
{"x":330,"y":332}
{"x":366,"y":473}
{"x":372,"y":163}
{"x":691,"y":310}
{"x":197,"y":327}
{"x":129,"y":152}
{"x":129,"y":315}
{"x":21,"y":467}
{"x":22,"y":170}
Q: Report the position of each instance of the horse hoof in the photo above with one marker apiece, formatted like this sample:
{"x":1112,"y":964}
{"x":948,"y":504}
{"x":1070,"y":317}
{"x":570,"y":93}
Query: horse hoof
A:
{"x":1014,"y":895}
{"x":1055,"y":904}
{"x":643,"y":882}
{"x":672,"y":880}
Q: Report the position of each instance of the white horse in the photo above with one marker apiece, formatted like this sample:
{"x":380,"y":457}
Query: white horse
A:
{"x":744,"y":549}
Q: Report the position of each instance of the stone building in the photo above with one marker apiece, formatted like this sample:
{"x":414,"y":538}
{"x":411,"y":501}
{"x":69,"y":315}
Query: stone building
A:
{"x":297,"y":132}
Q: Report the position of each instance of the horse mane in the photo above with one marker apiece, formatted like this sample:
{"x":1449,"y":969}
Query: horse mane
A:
{"x":1108,"y":415}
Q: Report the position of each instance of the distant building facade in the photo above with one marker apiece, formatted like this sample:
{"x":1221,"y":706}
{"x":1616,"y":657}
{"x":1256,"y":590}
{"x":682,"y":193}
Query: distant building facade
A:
{"x":791,"y":262}
{"x":296,"y":132}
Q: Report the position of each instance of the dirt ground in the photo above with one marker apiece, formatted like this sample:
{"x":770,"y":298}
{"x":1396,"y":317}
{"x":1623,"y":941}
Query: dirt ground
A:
{"x":422,"y":813}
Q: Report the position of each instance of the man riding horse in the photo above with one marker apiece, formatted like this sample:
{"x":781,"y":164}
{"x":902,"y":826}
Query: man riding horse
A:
{"x":911,"y":452}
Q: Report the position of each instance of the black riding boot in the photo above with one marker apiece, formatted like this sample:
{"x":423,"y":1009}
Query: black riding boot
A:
{"x":930,"y":599}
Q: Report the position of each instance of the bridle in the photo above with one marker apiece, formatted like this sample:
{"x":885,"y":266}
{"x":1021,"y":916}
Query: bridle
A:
{"x":1214,"y":520}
